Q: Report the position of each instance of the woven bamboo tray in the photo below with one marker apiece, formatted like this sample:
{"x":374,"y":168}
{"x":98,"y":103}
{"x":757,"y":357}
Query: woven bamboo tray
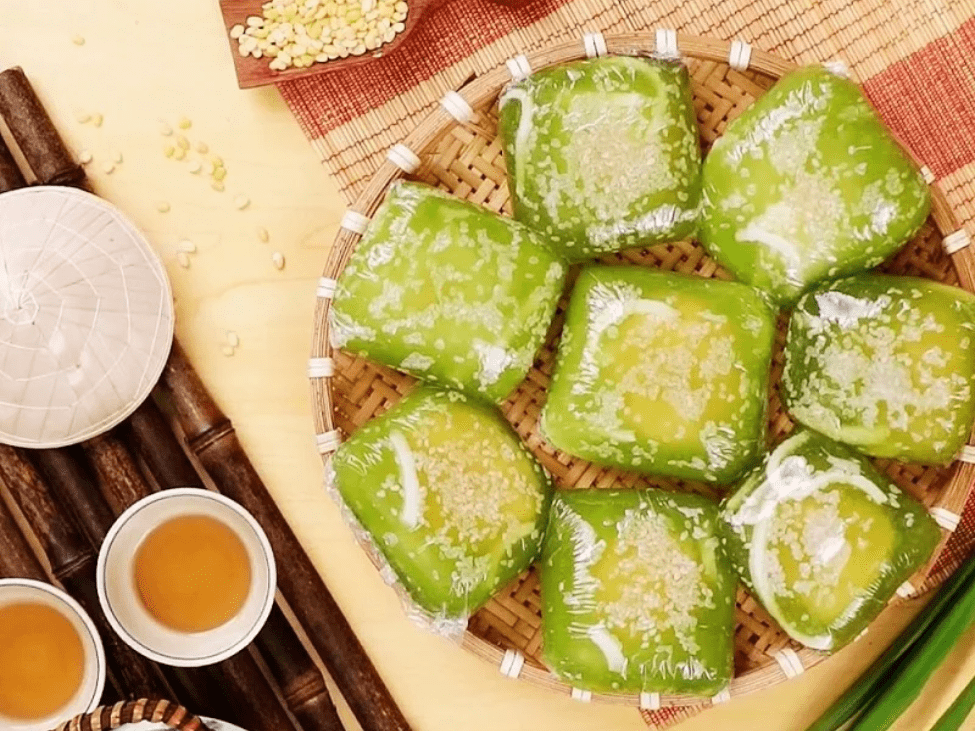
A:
{"x":456,"y":149}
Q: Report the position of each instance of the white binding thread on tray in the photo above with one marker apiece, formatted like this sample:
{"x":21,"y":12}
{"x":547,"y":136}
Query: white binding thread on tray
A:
{"x":326,"y":288}
{"x":722,"y":697}
{"x":329,"y":441}
{"x":404,"y":158}
{"x":667,"y":43}
{"x":905,"y":590}
{"x":355,"y":222}
{"x":946,"y":519}
{"x":740,"y":55}
{"x":789,"y":661}
{"x":927,"y":175}
{"x":967,"y":454}
{"x":838,"y":67}
{"x":512,"y":663}
{"x":321,"y":367}
{"x":518,"y":67}
{"x":957,"y":241}
{"x":595,"y":44}
{"x":583,"y":696}
{"x":650,"y":701}
{"x":457,"y":107}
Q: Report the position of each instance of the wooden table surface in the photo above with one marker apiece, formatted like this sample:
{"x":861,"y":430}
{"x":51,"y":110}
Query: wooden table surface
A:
{"x":143,"y":62}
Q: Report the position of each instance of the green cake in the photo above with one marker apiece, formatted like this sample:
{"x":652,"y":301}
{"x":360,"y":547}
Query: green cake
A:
{"x":603,"y":154}
{"x":808,"y":184}
{"x":662,"y":373}
{"x":885,"y":364}
{"x":450,"y":497}
{"x":637,"y":594}
{"x":447,"y":291}
{"x":823,"y":540}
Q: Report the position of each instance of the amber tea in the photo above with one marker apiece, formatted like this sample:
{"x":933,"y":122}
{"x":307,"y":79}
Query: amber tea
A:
{"x":42,"y":661}
{"x":192,"y":573}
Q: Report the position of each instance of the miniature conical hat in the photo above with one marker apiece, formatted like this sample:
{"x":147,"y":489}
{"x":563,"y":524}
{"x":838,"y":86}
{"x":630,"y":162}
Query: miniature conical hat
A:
{"x":86,"y":317}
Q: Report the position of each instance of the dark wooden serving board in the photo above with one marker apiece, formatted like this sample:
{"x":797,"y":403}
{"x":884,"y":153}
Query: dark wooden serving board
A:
{"x":252,"y":72}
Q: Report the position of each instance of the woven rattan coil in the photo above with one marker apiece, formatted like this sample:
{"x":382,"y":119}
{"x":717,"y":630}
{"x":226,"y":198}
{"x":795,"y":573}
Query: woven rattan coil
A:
{"x":465,"y":159}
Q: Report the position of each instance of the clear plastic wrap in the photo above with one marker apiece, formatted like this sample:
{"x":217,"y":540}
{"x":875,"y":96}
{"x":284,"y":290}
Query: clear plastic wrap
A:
{"x":603,"y":154}
{"x":662,"y":373}
{"x":885,"y":364}
{"x":447,"y":291}
{"x":447,"y":501}
{"x":637,"y":593}
{"x":823,"y":540}
{"x":808,"y":184}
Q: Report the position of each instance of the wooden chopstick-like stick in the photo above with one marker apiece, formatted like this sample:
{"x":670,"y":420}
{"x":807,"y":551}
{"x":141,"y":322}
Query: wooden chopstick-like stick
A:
{"x":212,"y":439}
{"x":302,"y":683}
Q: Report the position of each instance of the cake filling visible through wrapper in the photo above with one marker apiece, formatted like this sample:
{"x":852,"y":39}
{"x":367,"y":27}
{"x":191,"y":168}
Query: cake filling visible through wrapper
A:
{"x":447,"y":291}
{"x":662,"y":373}
{"x":808,"y":184}
{"x":637,"y":593}
{"x":451,"y":502}
{"x":885,"y":364}
{"x":603,"y":154}
{"x":823,"y":540}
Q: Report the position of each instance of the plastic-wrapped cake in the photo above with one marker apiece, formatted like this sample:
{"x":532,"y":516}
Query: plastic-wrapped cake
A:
{"x":807,"y":184}
{"x":662,"y":373}
{"x":450,"y":498}
{"x":603,"y":154}
{"x":637,"y":593}
{"x":823,"y":540}
{"x":885,"y":364}
{"x":448,"y":292}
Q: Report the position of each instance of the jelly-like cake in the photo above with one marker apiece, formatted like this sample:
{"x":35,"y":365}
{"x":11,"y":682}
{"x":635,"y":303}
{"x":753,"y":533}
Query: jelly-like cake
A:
{"x":808,"y":184}
{"x":662,"y":373}
{"x":885,"y":364}
{"x":447,"y":291}
{"x":637,"y":594}
{"x":450,"y":497}
{"x":823,"y":540}
{"x":603,"y":154}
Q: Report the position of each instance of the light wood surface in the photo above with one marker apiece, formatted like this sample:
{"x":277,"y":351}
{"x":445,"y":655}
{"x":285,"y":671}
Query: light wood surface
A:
{"x":145,"y":61}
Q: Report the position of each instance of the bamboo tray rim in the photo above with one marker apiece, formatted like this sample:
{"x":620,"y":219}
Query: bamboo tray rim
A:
{"x":480,"y":91}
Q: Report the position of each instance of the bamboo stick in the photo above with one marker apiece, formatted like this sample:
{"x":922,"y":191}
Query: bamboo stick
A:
{"x":35,"y":133}
{"x":10,"y":176}
{"x":212,"y":438}
{"x":17,"y":560}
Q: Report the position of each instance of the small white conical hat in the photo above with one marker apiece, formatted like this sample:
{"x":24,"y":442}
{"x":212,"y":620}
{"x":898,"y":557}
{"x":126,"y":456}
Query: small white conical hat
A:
{"x":86,"y":317}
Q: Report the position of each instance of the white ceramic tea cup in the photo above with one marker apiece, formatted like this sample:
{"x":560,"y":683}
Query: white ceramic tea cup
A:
{"x":129,"y":616}
{"x":89,"y":693}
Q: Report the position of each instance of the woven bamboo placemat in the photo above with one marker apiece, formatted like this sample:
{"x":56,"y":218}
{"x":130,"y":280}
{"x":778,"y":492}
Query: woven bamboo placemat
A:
{"x":914,"y":58}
